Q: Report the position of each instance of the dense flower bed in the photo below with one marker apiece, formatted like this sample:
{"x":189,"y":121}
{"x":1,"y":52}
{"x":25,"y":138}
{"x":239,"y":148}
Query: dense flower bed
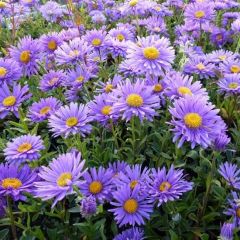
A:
{"x":119,"y":119}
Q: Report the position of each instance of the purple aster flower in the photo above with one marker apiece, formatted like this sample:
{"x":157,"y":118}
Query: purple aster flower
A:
{"x":235,"y":26}
{"x":28,"y":3}
{"x":161,"y":10}
{"x":9,"y":71}
{"x":231,"y":173}
{"x":221,"y":55}
{"x":121,"y":34}
{"x":230,"y":84}
{"x":88,"y":206}
{"x":168,"y":186}
{"x":221,"y":141}
{"x":130,"y":207}
{"x":23,"y":148}
{"x":230,"y":67}
{"x":135,"y":100}
{"x":98,"y":17}
{"x":196,"y":121}
{"x":96,"y":38}
{"x":151,"y":55}
{"x":98,"y":183}
{"x":117,"y":48}
{"x":72,"y":119}
{"x":69,"y":34}
{"x":73,"y":94}
{"x":201,"y":66}
{"x":126,"y":68}
{"x":135,"y":7}
{"x":234,"y":209}
{"x":27,"y":54}
{"x":155,"y":25}
{"x":227,"y":231}
{"x":100,"y":108}
{"x":117,"y":167}
{"x":178,"y":85}
{"x":52,"y":80}
{"x":219,"y":36}
{"x":14,"y":181}
{"x":131,"y":233}
{"x":40,"y":111}
{"x":59,"y":178}
{"x":11,"y":99}
{"x":199,"y":13}
{"x":50,"y":42}
{"x":110,"y":85}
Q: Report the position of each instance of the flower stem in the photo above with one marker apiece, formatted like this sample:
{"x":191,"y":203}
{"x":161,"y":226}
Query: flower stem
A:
{"x":10,"y":213}
{"x":133,"y":137}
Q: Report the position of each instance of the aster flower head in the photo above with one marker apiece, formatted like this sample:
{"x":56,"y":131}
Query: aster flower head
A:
{"x":50,"y":42}
{"x":227,"y":231}
{"x":231,"y":173}
{"x":229,"y":84}
{"x":117,"y":167}
{"x":155,"y":25}
{"x":52,"y":80}
{"x":221,"y":55}
{"x":98,"y":183}
{"x":23,"y":148}
{"x":235,"y":26}
{"x":230,"y":67}
{"x":150,"y":55}
{"x":178,"y":85}
{"x":59,"y":178}
{"x":130,"y":207}
{"x":168,"y":185}
{"x":40,"y":111}
{"x":12,"y":98}
{"x":27,"y":55}
{"x":196,"y":121}
{"x":219,"y":36}
{"x":134,"y":233}
{"x":135,"y":7}
{"x":9,"y":71}
{"x":88,"y":206}
{"x":72,"y":119}
{"x":14,"y":181}
{"x":234,"y":208}
{"x":121,"y":34}
{"x":135,"y":99}
{"x":96,"y":38}
{"x":221,"y":142}
{"x":110,"y":85}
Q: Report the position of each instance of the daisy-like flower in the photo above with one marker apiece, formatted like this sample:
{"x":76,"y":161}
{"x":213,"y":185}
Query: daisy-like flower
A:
{"x":11,"y":99}
{"x":235,"y":26}
{"x":117,"y":167}
{"x":98,"y":183}
{"x":96,"y":38}
{"x":227,"y":231}
{"x":231,"y":173}
{"x":178,"y":85}
{"x":121,"y":34}
{"x":150,"y":55}
{"x":199,"y":13}
{"x":200,"y":65}
{"x":72,"y":52}
{"x":221,"y":55}
{"x":14,"y":181}
{"x":230,"y":67}
{"x":234,"y":209}
{"x":110,"y":85}
{"x":155,"y":25}
{"x":59,"y":178}
{"x":9,"y":71}
{"x":221,"y":141}
{"x":229,"y":84}
{"x":135,"y":100}
{"x":88,"y":206}
{"x":24,"y":148}
{"x":27,"y":55}
{"x":100,"y":108}
{"x":40,"y":111}
{"x":135,"y":7}
{"x":196,"y":121}
{"x":4,"y":8}
{"x":52,"y":80}
{"x":131,"y":233}
{"x":72,"y":119}
{"x":168,"y":185}
{"x":50,"y":42}
{"x":219,"y":36}
{"x":130,"y":207}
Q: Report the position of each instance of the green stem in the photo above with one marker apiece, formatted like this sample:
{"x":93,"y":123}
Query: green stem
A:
{"x":114,"y":134}
{"x":10,"y":213}
{"x":238,"y":45}
{"x":133,"y":137}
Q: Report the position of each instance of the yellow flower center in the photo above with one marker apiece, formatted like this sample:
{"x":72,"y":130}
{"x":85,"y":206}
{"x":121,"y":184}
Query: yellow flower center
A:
{"x":158,"y":9}
{"x":200,"y":66}
{"x":45,"y":110}
{"x":219,"y":37}
{"x":106,"y":110}
{"x":96,"y":59}
{"x":157,"y":29}
{"x":80,"y":79}
{"x":158,"y":88}
{"x":133,"y":184}
{"x":184,"y":91}
{"x":95,"y":187}
{"x":238,"y":212}
{"x":25,"y":56}
{"x":11,"y":183}
{"x":120,"y":37}
{"x":3,"y":71}
{"x":199,"y":14}
{"x":73,"y":53}
{"x":235,"y":69}
{"x":24,"y":147}
{"x":130,"y":206}
{"x":151,"y":53}
{"x":96,"y":42}
{"x":134,"y":100}
{"x":133,"y":3}
{"x":9,"y":101}
{"x":53,"y":81}
{"x":164,"y":186}
{"x":52,"y":45}
{"x":108,"y":88}
{"x":72,"y":121}
{"x":2,"y":4}
{"x":233,"y":85}
{"x":222,"y":57}
{"x":193,"y":120}
{"x":64,"y":179}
